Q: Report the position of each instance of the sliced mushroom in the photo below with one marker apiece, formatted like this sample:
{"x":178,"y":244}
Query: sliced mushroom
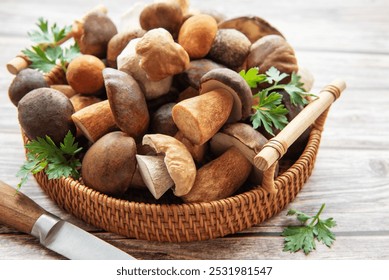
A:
{"x":24,"y":82}
{"x":46,"y":111}
{"x":118,"y":42}
{"x":178,"y":161}
{"x":96,"y":120}
{"x":127,"y":102}
{"x":272,"y":50}
{"x":128,"y":61}
{"x":253,"y":27}
{"x":230,"y":48}
{"x":155,"y":174}
{"x":160,"y":56}
{"x":220,"y":178}
{"x":197,"y":34}
{"x":109,"y":164}
{"x":93,"y":33}
{"x":224,"y":97}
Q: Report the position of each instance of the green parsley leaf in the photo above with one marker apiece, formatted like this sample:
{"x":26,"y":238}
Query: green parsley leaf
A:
{"x":303,"y":237}
{"x":274,"y":75}
{"x":44,"y":154}
{"x":269,"y":112}
{"x":43,"y":60}
{"x":48,"y":36}
{"x":252,"y":77}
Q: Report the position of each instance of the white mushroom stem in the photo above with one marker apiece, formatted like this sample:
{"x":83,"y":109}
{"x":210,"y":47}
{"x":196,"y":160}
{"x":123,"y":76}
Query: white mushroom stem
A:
{"x":95,"y":120}
{"x":154,"y":174}
{"x":200,"y":117}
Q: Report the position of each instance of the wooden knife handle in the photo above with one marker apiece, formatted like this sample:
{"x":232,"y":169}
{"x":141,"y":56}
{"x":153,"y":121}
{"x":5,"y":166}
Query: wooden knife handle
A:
{"x":17,"y":210}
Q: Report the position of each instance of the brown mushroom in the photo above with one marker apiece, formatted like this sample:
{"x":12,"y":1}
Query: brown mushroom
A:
{"x":253,"y":27}
{"x":272,"y":50}
{"x":109,"y":164}
{"x":178,"y":161}
{"x":118,"y":42}
{"x":128,"y":61}
{"x":96,"y":120}
{"x":197,"y":34}
{"x":160,"y":56}
{"x":198,"y":152}
{"x":220,"y":178}
{"x":93,"y":33}
{"x":65,"y":89}
{"x":45,"y":111}
{"x":162,"y":120}
{"x":24,"y":82}
{"x":81,"y":101}
{"x":127,"y":102}
{"x":84,"y":74}
{"x":224,"y":97}
{"x":230,"y":48}
{"x":167,"y":15}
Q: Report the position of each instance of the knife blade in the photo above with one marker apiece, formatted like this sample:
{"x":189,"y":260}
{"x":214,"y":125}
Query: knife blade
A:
{"x":20,"y":212}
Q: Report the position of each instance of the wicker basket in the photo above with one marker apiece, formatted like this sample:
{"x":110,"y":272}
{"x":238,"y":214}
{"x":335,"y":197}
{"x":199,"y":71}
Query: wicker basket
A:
{"x":208,"y":220}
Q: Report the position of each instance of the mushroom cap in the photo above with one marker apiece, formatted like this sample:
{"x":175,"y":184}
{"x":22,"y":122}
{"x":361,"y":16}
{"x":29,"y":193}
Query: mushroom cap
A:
{"x":46,"y":111}
{"x":230,"y":47}
{"x":84,"y":74}
{"x":232,"y":82}
{"x":162,"y":15}
{"x":93,"y":35}
{"x":127,"y":102}
{"x":160,"y":56}
{"x":197,"y":34}
{"x":253,"y":27}
{"x":272,"y":50}
{"x":162,"y":120}
{"x":24,"y":82}
{"x":109,"y":164}
{"x":178,"y":160}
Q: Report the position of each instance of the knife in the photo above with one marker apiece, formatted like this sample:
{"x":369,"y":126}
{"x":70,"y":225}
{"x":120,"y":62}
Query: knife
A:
{"x":20,"y":212}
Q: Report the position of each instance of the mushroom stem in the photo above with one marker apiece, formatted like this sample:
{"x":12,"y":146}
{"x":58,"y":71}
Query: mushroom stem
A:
{"x":154,"y":174}
{"x":95,"y":120}
{"x":56,"y":76}
{"x":200,"y":117}
{"x":17,"y":64}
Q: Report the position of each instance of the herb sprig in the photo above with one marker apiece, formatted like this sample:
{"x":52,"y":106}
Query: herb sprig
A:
{"x":44,"y":154}
{"x":270,"y":112}
{"x":303,"y":237}
{"x":47,"y":53}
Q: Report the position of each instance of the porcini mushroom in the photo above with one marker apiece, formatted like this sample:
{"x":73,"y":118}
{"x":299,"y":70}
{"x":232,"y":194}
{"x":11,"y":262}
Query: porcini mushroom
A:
{"x":127,"y":102}
{"x":160,"y":56}
{"x":162,"y":120}
{"x":230,"y":48}
{"x":81,"y":101}
{"x":109,"y":164}
{"x":220,"y":178}
{"x":24,"y":82}
{"x":197,"y":34}
{"x":178,"y":161}
{"x":224,"y":97}
{"x":93,"y":33}
{"x":46,"y":111}
{"x":128,"y":61}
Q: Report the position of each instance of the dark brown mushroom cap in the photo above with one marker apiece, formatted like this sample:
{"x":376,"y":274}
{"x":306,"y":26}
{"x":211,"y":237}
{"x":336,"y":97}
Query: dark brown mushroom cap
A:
{"x":162,"y":120}
{"x":24,"y":82}
{"x":230,"y":80}
{"x":46,"y":111}
{"x":109,"y":164}
{"x":96,"y":31}
{"x":253,"y":27}
{"x":127,"y":102}
{"x":230,"y":48}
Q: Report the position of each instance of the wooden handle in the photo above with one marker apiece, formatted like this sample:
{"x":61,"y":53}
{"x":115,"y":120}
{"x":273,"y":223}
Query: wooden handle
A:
{"x":277,"y":146}
{"x":17,"y":210}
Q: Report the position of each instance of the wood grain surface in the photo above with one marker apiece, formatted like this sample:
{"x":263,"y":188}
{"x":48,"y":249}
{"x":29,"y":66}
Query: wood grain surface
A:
{"x":334,"y":39}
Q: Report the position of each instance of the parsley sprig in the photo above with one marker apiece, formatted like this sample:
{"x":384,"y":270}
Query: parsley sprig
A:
{"x":270,"y":112}
{"x":47,"y":53}
{"x":44,"y":154}
{"x":303,"y":237}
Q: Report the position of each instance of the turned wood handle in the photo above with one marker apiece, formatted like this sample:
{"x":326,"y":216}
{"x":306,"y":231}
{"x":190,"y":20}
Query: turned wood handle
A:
{"x":278,"y":145}
{"x":17,"y":210}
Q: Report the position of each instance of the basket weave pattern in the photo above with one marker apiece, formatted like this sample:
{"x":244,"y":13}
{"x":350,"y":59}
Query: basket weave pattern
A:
{"x":184,"y":222}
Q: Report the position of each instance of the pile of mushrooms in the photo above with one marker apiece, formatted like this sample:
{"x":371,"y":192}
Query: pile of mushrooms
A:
{"x":159,"y":104}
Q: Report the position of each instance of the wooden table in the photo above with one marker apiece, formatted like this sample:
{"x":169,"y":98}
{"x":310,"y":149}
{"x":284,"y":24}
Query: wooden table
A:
{"x":334,"y":39}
